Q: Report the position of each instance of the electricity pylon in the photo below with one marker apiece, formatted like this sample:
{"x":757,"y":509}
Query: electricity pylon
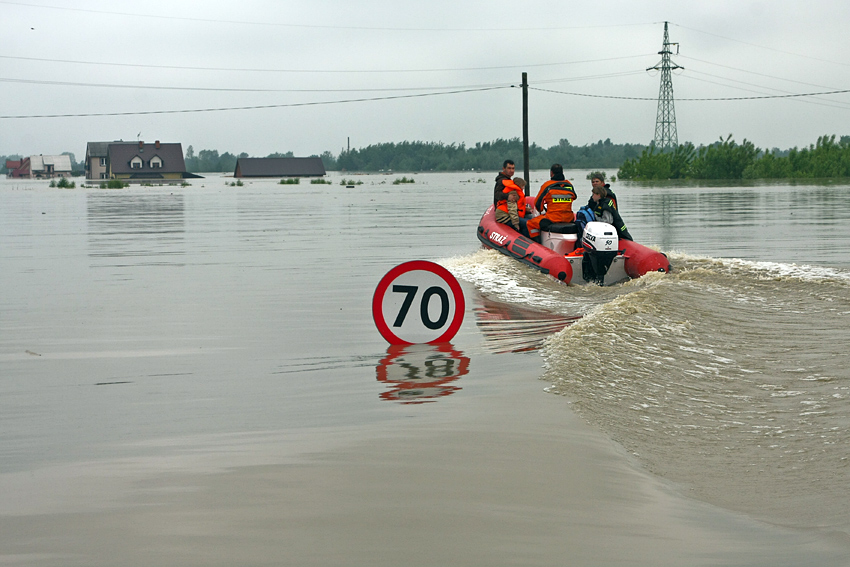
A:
{"x":665,"y":121}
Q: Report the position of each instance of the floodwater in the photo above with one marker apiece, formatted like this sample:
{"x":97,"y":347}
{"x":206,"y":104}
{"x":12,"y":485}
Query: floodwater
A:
{"x":191,"y":376}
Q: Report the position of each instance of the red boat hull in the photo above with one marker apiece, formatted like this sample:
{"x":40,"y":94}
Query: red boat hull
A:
{"x":638,"y":259}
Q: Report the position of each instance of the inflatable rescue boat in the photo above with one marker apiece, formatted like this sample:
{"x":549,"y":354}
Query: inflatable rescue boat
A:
{"x":598,"y":257}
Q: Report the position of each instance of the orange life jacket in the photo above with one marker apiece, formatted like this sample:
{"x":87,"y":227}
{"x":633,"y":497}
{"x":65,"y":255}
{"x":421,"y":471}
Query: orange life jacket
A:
{"x":509,"y":186}
{"x":557,"y":198}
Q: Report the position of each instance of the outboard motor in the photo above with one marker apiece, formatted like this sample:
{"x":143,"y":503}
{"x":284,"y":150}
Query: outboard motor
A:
{"x":600,"y":244}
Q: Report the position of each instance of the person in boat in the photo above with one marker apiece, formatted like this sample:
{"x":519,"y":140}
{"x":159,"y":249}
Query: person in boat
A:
{"x":499,"y":194}
{"x":598,"y":180}
{"x":606,"y":211}
{"x":512,"y":210}
{"x":554,"y":201}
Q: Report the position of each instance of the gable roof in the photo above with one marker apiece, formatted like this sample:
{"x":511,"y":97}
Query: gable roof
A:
{"x":280,"y":167}
{"x":121,"y":153}
{"x":59,"y":163}
{"x":101,"y":149}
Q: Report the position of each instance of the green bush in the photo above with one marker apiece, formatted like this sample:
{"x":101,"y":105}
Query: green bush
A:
{"x":295,"y":181}
{"x":350,"y":182}
{"x":727,"y":159}
{"x":402,"y":180}
{"x":320,"y":181}
{"x":651,"y":164}
{"x":724,"y":160}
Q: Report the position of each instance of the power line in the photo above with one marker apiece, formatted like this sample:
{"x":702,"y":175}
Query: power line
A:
{"x":309,"y":26}
{"x":238,"y":90}
{"x":747,"y":71}
{"x":334,"y":71}
{"x":257,"y":90}
{"x":590,"y":77}
{"x":793,"y":95}
{"x":765,"y":47}
{"x":257,"y":107}
{"x":816,"y":101}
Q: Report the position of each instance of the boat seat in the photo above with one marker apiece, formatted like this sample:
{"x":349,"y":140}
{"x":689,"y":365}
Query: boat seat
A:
{"x":558,"y":227}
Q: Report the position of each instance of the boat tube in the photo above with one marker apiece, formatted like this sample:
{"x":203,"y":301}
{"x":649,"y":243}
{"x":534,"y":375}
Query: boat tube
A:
{"x":600,"y":258}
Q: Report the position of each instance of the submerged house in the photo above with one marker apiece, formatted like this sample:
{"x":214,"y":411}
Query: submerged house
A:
{"x":97,"y":154}
{"x":39,"y":167}
{"x":137,"y":162}
{"x":280,"y":167}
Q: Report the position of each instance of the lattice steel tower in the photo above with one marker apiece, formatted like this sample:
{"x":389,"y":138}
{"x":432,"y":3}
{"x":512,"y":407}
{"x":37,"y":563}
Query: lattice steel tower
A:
{"x":665,"y":121}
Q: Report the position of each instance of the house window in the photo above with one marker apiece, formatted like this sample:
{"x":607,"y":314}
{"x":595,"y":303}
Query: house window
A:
{"x":104,"y":175}
{"x":103,"y":162}
{"x":136,"y":163}
{"x":156,"y":162}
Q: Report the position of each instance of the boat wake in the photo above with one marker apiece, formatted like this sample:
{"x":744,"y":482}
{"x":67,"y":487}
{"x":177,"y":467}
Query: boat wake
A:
{"x":726,"y":376}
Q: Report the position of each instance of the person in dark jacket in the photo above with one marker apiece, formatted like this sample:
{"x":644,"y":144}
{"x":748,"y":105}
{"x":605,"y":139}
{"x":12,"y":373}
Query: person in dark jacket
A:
{"x":606,"y":211}
{"x":507,"y":173}
{"x":599,"y":181}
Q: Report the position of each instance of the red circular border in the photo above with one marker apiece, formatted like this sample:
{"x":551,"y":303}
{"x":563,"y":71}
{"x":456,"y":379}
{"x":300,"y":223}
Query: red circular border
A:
{"x":426,"y":266}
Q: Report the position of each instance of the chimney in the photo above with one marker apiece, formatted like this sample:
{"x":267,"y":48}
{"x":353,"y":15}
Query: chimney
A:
{"x":157,"y":144}
{"x":141,"y":145}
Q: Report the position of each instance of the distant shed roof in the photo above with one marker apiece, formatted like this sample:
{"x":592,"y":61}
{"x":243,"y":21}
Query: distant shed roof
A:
{"x":279,"y":167}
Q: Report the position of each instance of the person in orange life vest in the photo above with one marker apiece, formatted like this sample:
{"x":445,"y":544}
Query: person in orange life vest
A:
{"x":554,"y":201}
{"x":512,"y":209}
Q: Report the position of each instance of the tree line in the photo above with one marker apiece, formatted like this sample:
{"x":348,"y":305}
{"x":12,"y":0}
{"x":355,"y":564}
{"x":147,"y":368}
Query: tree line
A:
{"x":437,"y":156}
{"x":726,"y":159}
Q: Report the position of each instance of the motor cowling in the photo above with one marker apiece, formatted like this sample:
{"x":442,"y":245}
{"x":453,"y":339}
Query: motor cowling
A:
{"x":600,"y":244}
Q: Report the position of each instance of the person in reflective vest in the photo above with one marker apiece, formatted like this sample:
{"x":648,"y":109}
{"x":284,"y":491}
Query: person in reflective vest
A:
{"x":554,"y":201}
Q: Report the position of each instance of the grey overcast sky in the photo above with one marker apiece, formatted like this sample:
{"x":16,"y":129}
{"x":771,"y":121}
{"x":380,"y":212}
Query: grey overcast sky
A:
{"x":437,"y":71}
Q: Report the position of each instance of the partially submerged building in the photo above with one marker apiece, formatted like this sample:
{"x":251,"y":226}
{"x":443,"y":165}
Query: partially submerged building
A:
{"x":280,"y":167}
{"x":97,"y":154}
{"x":137,"y":162}
{"x":39,"y":167}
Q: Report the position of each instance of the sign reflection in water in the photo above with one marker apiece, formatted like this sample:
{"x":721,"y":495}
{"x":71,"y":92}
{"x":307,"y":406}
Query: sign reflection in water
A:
{"x":515,"y":328}
{"x":418,"y":374}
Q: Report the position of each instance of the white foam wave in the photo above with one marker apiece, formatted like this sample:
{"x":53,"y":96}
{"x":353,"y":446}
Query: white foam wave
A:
{"x":781,"y":270}
{"x":496,"y":275}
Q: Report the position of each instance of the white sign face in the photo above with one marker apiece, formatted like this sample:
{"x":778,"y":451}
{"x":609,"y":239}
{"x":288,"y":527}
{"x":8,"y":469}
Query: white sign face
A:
{"x":418,"y":302}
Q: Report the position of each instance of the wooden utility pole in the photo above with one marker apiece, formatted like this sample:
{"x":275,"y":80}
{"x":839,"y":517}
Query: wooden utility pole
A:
{"x":526,"y":175}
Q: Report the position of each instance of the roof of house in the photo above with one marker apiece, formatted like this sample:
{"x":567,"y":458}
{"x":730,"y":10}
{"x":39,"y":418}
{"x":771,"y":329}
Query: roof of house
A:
{"x":280,"y":167}
{"x":121,"y":153}
{"x":59,"y":163}
{"x":101,"y":149}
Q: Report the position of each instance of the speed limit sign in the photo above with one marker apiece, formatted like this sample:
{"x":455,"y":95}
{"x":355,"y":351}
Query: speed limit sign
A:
{"x":418,"y":302}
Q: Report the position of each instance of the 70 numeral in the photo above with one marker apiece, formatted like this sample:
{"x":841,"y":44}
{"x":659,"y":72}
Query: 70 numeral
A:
{"x":411,"y":290}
